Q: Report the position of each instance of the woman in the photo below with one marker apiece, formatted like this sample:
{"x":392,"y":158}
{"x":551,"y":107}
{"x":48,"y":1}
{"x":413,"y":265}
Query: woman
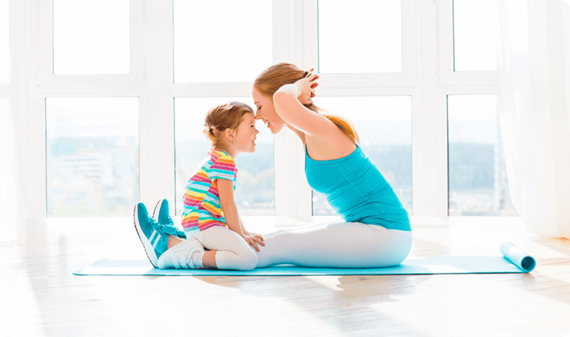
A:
{"x":376,"y":232}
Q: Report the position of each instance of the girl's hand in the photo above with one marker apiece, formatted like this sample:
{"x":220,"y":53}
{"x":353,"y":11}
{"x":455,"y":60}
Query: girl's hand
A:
{"x":259,"y":236}
{"x":253,"y":241}
{"x":306,"y":88}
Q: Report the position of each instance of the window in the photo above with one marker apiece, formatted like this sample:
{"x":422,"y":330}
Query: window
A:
{"x":92,"y":156}
{"x":221,"y":41}
{"x":477,"y":175}
{"x":474,"y":35}
{"x":345,"y":30}
{"x":91,"y":37}
{"x":152,"y":71}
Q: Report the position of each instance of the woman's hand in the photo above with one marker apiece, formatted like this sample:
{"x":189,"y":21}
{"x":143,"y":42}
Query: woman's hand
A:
{"x":306,"y":88}
{"x":254,"y":240}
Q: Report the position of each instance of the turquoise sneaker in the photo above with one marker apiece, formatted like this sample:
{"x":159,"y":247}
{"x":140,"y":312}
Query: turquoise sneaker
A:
{"x":162,"y":216}
{"x":151,"y":234}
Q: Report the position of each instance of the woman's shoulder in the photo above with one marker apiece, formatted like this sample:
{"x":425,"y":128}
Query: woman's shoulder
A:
{"x":329,"y":148}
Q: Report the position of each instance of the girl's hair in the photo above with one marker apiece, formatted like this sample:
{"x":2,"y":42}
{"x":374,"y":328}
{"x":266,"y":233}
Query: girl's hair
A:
{"x":222,"y":117}
{"x":276,"y":76}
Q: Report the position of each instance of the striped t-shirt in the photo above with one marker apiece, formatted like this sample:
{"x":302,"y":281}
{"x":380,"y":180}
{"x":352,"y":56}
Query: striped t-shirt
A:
{"x":202,"y":209}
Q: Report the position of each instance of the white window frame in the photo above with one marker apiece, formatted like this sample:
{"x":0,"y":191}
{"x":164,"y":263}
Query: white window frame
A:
{"x":460,"y":82}
{"x":427,"y":77}
{"x":446,"y":59}
{"x":133,"y":79}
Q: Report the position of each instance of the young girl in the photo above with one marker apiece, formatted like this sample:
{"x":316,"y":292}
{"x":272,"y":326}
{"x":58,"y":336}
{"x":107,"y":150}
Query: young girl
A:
{"x":210,"y":217}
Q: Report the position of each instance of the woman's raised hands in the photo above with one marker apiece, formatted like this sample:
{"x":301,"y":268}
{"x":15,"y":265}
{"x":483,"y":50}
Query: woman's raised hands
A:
{"x":306,"y":87}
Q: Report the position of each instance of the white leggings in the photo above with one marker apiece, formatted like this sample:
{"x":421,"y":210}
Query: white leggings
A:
{"x":233,"y":252}
{"x":337,"y":245}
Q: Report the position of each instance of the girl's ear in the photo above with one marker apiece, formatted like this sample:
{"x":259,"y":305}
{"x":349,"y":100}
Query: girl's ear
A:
{"x":229,"y":133}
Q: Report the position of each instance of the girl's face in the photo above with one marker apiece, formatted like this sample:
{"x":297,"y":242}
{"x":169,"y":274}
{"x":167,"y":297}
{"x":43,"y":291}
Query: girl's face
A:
{"x":245,"y":134}
{"x":266,"y":112}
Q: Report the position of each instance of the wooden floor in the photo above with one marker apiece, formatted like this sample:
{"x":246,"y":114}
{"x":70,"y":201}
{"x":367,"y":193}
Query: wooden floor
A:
{"x":41,"y":297}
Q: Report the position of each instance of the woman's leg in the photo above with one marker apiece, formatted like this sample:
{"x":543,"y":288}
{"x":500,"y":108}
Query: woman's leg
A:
{"x":232,"y":252}
{"x":338,"y":245}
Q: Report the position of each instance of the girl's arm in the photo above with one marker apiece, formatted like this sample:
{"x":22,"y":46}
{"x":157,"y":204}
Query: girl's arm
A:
{"x":249,"y":233}
{"x":226,"y":193}
{"x":243,"y":227}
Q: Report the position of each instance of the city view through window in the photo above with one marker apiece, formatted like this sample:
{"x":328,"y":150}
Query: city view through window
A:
{"x":92,"y":156}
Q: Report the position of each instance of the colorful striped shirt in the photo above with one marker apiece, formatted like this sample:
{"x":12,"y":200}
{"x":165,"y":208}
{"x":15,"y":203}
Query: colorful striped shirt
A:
{"x":202,"y":209}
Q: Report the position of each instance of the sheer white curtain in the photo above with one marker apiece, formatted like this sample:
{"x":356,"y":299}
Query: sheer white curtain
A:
{"x":12,"y":215}
{"x":534,"y":75}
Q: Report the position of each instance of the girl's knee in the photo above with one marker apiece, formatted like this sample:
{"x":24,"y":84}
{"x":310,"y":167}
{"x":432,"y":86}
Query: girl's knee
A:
{"x":248,"y":261}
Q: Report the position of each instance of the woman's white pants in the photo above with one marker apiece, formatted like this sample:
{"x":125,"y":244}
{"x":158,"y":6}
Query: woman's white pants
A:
{"x":337,"y":245}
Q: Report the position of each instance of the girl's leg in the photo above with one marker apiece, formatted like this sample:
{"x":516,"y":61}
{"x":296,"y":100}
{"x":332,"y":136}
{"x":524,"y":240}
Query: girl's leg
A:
{"x":340,"y":245}
{"x":182,"y":254}
{"x":200,"y":259}
{"x":173,"y":241}
{"x":231,"y":250}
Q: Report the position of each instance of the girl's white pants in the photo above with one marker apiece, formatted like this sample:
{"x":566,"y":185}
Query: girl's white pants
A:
{"x":233,"y":252}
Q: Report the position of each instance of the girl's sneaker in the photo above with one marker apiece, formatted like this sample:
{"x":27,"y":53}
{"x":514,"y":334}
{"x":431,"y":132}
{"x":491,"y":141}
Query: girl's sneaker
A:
{"x":188,"y":254}
{"x":151,"y":234}
{"x":162,"y":216}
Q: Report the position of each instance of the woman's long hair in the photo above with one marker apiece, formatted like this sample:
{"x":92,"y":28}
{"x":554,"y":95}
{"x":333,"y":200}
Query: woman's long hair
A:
{"x":276,"y":76}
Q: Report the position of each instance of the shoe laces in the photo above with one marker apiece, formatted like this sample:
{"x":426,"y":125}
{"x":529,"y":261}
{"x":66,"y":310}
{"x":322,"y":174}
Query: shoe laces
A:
{"x":168,"y":229}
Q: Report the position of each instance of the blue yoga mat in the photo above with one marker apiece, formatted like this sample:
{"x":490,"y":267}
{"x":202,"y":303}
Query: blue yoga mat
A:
{"x":512,"y":261}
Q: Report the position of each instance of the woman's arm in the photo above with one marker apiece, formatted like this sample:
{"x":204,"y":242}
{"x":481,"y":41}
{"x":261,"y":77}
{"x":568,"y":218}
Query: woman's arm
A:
{"x":288,"y":102}
{"x":298,"y":133}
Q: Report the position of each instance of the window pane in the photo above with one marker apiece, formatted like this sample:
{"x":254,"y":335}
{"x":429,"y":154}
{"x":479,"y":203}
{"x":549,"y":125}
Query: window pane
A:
{"x":360,"y":36}
{"x":4,"y":41}
{"x":222,"y":41}
{"x":91,"y":37}
{"x":384,"y":125}
{"x":477,"y":176}
{"x":92,"y":156}
{"x":474,"y":35}
{"x":254,"y":194}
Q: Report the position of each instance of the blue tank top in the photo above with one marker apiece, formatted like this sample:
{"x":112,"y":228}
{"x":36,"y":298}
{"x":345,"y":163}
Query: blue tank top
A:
{"x":357,"y":191}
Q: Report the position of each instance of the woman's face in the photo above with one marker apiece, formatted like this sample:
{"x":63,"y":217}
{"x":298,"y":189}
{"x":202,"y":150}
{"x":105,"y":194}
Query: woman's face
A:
{"x":266,"y":112}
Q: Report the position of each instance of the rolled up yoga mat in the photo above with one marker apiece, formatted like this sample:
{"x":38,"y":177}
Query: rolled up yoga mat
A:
{"x":516,"y":256}
{"x":514,"y":260}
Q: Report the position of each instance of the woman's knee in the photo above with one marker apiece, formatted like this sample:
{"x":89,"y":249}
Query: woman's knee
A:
{"x":400,"y":250}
